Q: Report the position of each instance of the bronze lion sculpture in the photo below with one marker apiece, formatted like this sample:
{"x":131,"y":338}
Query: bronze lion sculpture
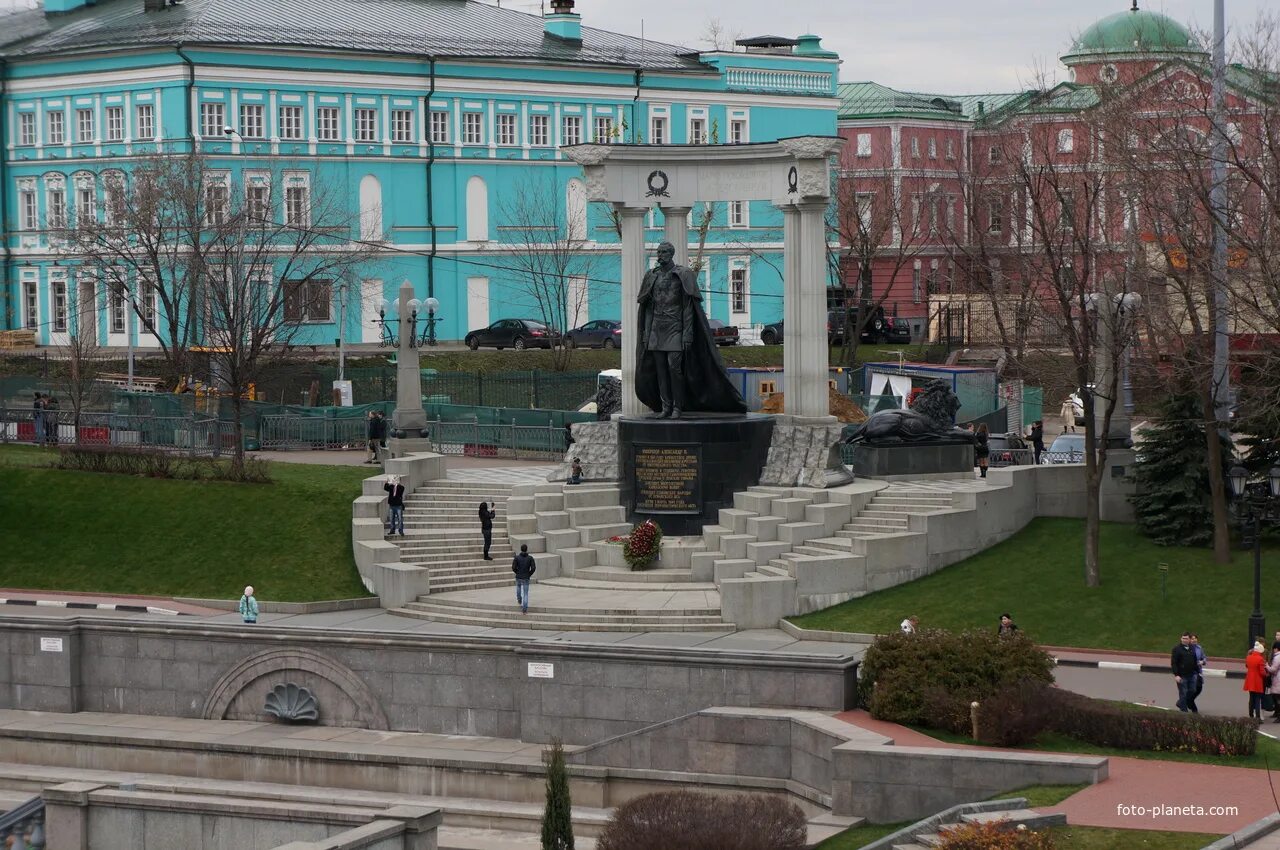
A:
{"x":932,"y":417}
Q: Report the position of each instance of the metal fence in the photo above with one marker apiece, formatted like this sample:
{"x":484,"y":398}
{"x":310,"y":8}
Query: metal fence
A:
{"x":526,"y":442}
{"x":195,"y":434}
{"x":290,"y":431}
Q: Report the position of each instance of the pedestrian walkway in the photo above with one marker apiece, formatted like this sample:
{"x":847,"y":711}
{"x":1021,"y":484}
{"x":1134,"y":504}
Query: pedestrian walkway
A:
{"x":526,"y":474}
{"x":95,"y":602}
{"x":1139,"y":793}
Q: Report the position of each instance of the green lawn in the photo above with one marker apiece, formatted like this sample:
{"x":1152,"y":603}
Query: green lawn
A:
{"x":1038,"y":577}
{"x":290,"y":539}
{"x":1265,"y":757}
{"x":1064,"y":838}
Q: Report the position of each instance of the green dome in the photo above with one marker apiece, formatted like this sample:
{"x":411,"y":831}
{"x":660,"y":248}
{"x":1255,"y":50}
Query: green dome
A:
{"x":1133,"y":32}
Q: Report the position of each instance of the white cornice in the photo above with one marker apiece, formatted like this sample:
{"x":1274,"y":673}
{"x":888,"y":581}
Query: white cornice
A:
{"x":232,"y":75}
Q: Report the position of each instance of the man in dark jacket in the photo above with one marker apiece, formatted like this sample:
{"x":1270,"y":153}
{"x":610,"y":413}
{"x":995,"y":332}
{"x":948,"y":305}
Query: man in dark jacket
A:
{"x":524,"y":567}
{"x":487,"y":513}
{"x":1037,"y":439}
{"x":395,"y":503}
{"x":1186,"y":669}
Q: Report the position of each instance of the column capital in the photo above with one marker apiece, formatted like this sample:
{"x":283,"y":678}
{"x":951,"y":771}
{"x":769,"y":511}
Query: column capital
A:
{"x":681,"y":209}
{"x":627,"y":210}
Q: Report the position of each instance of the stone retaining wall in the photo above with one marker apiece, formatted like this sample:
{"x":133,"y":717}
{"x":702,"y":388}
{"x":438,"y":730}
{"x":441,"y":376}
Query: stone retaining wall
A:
{"x":427,"y":683}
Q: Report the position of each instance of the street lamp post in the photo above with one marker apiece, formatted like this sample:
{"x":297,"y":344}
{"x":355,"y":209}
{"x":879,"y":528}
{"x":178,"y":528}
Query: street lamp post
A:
{"x":1256,"y":502}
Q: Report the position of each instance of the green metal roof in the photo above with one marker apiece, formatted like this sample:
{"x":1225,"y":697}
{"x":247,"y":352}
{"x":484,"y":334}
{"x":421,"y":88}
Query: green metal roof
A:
{"x":872,"y":100}
{"x":444,"y":28}
{"x":1133,"y":32}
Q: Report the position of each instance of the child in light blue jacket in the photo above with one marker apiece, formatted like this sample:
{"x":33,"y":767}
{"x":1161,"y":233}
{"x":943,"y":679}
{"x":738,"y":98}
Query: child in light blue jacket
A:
{"x":249,"y":606}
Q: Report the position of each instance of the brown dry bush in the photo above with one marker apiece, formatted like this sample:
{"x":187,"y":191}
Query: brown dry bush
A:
{"x":689,"y":820}
{"x":993,"y":836}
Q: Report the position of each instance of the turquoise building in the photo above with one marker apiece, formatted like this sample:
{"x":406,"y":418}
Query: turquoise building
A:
{"x":434,"y":121}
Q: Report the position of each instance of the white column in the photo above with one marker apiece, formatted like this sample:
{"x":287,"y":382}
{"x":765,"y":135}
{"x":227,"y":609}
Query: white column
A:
{"x":806,"y":387}
{"x":792,"y":327}
{"x":633,"y":268}
{"x":676,"y":231}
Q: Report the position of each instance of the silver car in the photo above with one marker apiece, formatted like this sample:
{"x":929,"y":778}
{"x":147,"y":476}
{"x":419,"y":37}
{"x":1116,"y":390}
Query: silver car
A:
{"x":1066,"y":448}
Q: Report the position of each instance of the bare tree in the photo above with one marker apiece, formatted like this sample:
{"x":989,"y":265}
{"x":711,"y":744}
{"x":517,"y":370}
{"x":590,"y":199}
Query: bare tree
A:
{"x":78,"y":381}
{"x":717,"y":36}
{"x":548,"y":253}
{"x":1057,"y":254}
{"x":238,"y":270}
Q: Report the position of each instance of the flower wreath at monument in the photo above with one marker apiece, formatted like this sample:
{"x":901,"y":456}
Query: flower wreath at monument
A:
{"x":643,"y":545}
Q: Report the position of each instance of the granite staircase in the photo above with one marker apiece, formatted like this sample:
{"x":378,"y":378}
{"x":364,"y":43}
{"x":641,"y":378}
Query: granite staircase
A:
{"x":442,"y":534}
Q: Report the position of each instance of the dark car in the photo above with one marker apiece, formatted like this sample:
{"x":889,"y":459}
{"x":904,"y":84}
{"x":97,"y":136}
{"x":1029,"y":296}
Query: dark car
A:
{"x":514,"y":333}
{"x":1066,"y":448}
{"x":724,"y":334}
{"x":1008,"y":450}
{"x":602,"y":333}
{"x":772,"y":334}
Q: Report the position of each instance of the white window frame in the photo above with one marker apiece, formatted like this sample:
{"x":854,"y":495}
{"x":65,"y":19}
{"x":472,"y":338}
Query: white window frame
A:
{"x":213,"y":119}
{"x":31,"y":304}
{"x":59,"y":307}
{"x":328,"y":124}
{"x":697,"y":130}
{"x":57,"y":127}
{"x":916,"y":284}
{"x":402,"y":126}
{"x":297,"y":184}
{"x":864,"y":144}
{"x":951,"y":149}
{"x":739,"y":131}
{"x":113,"y":195}
{"x":915,"y":147}
{"x":1066,"y":140}
{"x":86,"y":198}
{"x":739,"y":214}
{"x":84,"y":126}
{"x":365,"y":120}
{"x":258,"y":202}
{"x":27,"y":129}
{"x":504,"y":129}
{"x":439,"y":127}
{"x":659,"y":125}
{"x":113,"y":117}
{"x":571,"y":130}
{"x":55,"y":202}
{"x":289,"y":122}
{"x":305,"y":317}
{"x":739,"y":289}
{"x":252,"y":121}
{"x":116,"y":310}
{"x":144,"y":122}
{"x":473,"y":128}
{"x":995,"y":216}
{"x":602,"y":130}
{"x":539,"y":131}
{"x":217,"y":205}
{"x":933,"y":148}
{"x":865,"y":209}
{"x":28,"y":207}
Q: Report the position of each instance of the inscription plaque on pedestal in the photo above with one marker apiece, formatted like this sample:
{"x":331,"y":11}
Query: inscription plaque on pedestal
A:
{"x":668,"y":479}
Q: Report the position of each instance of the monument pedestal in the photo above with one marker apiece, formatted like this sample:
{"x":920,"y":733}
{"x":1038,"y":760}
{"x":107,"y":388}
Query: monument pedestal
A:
{"x":905,"y":461}
{"x":805,"y":452}
{"x":402,"y":446}
{"x":681,"y":472}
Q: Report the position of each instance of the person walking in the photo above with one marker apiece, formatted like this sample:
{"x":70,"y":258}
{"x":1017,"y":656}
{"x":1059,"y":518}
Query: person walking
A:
{"x":1255,"y":679}
{"x":1273,"y":671}
{"x":37,"y":418}
{"x":1007,"y":626}
{"x":395,"y":504}
{"x":1068,"y":414}
{"x":982,"y":451}
{"x":487,"y":514}
{"x":1200,"y":660}
{"x":51,"y":419}
{"x":372,"y":435}
{"x":524,"y":567}
{"x":1185,"y":669}
{"x":1037,"y":439}
{"x":249,"y":606}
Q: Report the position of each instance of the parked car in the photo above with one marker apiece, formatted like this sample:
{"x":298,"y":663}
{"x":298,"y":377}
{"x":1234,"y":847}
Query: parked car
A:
{"x":724,"y":334}
{"x":879,"y":329}
{"x":514,"y":333}
{"x":772,"y":334}
{"x":1008,"y":450}
{"x":602,"y":333}
{"x":1065,"y":448}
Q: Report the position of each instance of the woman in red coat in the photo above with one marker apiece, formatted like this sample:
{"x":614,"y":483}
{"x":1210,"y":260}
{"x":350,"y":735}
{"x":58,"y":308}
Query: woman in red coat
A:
{"x":1255,"y":671}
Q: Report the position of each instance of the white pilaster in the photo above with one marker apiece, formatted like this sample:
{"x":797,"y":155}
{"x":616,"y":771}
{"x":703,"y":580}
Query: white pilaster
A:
{"x":806,"y":387}
{"x":633,"y":269}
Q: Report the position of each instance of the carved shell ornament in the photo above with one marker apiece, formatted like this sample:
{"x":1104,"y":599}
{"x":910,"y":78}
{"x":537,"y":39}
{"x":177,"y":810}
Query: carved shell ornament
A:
{"x":292,"y":704}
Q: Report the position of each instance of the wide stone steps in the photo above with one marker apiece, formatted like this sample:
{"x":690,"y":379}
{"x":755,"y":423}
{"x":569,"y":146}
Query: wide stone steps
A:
{"x":476,"y":557}
{"x":614,"y":575}
{"x":429,"y":602}
{"x":477,"y":568}
{"x":565,"y":619}
{"x":483,"y":583}
{"x":646,"y":587}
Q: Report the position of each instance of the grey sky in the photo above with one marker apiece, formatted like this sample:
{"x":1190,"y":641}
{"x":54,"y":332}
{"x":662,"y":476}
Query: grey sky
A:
{"x":943,"y":46}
